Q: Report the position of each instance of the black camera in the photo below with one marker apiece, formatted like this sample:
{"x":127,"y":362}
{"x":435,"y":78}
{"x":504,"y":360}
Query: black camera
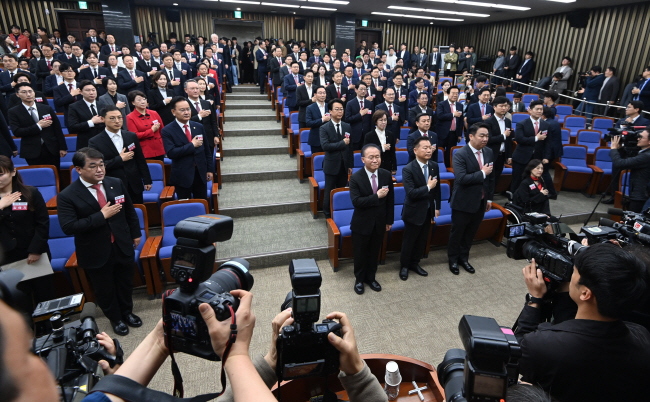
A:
{"x":635,"y":228}
{"x":303,"y":347}
{"x":629,"y":136}
{"x":192,"y":264}
{"x":552,"y":252}
{"x":488,"y":365}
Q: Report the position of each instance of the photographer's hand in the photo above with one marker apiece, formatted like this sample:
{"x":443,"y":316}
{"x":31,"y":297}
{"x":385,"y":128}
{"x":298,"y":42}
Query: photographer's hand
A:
{"x":534,"y":280}
{"x":280,"y":320}
{"x":616,"y":142}
{"x":350,"y":361}
{"x":108,"y":344}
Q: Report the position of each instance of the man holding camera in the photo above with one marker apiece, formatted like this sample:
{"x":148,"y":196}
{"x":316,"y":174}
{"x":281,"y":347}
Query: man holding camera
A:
{"x":596,"y":356}
{"x":638,"y":165}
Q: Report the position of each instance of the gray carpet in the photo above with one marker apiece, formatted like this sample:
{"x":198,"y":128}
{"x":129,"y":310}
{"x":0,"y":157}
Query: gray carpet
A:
{"x":417,"y":318}
{"x":262,"y":192}
{"x":256,"y":163}
{"x":250,"y":112}
{"x":249,"y":125}
{"x":256,"y":141}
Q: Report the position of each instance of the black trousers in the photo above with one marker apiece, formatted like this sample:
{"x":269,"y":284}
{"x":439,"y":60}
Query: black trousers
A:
{"x":356,"y":146}
{"x":464,"y":226}
{"x":548,"y":180}
{"x":333,"y":181}
{"x":113,"y":284}
{"x":414,"y":242}
{"x":517,"y":172}
{"x":636,"y":205}
{"x":302,"y":124}
{"x":498,"y":167}
{"x":366,"y":253}
{"x":315,"y":149}
{"x":450,"y":141}
{"x":136,"y":196}
{"x":197,"y":190}
{"x":45,"y":158}
{"x":262,"y":78}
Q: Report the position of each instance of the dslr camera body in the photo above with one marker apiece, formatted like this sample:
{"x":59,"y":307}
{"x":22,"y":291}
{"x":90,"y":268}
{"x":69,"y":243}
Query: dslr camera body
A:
{"x":488,"y":365}
{"x":303,"y":347}
{"x":192,"y":264}
{"x":635,"y":228}
{"x":629,"y":138}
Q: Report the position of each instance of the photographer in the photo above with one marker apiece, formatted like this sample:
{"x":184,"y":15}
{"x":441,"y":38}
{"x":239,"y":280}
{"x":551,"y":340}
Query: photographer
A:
{"x":355,"y":376}
{"x":639,"y":167}
{"x":596,"y":347}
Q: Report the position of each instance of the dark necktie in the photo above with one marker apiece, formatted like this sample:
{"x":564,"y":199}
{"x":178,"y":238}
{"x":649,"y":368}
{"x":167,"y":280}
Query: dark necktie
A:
{"x":92,"y":109}
{"x":338,"y":131}
{"x":95,"y":72}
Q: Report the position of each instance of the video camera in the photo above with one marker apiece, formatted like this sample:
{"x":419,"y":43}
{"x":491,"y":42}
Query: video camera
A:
{"x":303,"y":347}
{"x":552,"y":252}
{"x":635,"y":228}
{"x":71,"y":351}
{"x":488,"y":365}
{"x":192,"y":264}
{"x":629,"y":137}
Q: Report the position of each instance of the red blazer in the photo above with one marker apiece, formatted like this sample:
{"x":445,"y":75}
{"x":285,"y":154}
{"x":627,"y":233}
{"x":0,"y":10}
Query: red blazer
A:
{"x":24,"y":43}
{"x":150,"y":142}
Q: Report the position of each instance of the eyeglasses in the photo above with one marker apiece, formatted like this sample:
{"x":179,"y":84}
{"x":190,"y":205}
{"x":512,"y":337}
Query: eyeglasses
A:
{"x":95,"y":167}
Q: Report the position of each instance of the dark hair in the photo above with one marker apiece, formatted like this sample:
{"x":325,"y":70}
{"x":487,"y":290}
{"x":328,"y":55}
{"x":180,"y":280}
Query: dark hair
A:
{"x":531,"y":54}
{"x":513,"y":48}
{"x":612,"y":69}
{"x":7,"y":165}
{"x":177,"y":99}
{"x":568,"y":58}
{"x":90,"y":53}
{"x":502,"y":51}
{"x":365,"y":147}
{"x":528,"y":393}
{"x":308,"y":72}
{"x":318,"y":87}
{"x":134,"y":94}
{"x":22,"y":74}
{"x":84,"y":84}
{"x":548,"y":113}
{"x":125,"y":56}
{"x":48,"y":45}
{"x":481,"y":78}
{"x":105,"y":81}
{"x":597,"y":69}
{"x":166,"y":55}
{"x":420,"y":115}
{"x":530,"y":166}
{"x":419,"y":80}
{"x":331,"y":103}
{"x":109,"y":108}
{"x":558,"y":75}
{"x":551,"y":94}
{"x":616,"y":278}
{"x":11,"y":56}
{"x":637,"y":105}
{"x":417,"y":141}
{"x":534,"y":103}
{"x":500,"y":100}
{"x":500,"y":91}
{"x":475,"y":127}
{"x":379,"y":113}
{"x":79,"y":158}
{"x":484,"y":89}
{"x":360,"y":83}
{"x":22,"y":84}
{"x":517,"y":95}
{"x":453,"y":87}
{"x":157,"y":76}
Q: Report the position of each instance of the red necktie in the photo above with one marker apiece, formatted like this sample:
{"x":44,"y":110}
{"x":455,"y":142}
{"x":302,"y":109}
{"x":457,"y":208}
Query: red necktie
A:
{"x":70,"y":86}
{"x":453,"y":119}
{"x":101,"y":199}
{"x":480,"y":165}
{"x":187,"y":133}
{"x":279,"y":61}
{"x":112,"y":48}
{"x":132,"y":75}
{"x":390,"y":110}
{"x":374,"y":183}
{"x":536,"y":127}
{"x":338,"y":91}
{"x":296,"y":78}
{"x":361,"y":102}
{"x":49,"y":65}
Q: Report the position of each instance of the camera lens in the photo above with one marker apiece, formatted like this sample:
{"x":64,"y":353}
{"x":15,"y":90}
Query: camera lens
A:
{"x":451,"y":374}
{"x":233,"y":275}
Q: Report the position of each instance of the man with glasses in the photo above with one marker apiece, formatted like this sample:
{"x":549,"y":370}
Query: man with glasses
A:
{"x":42,"y":140}
{"x":97,"y":210}
{"x":123,"y":155}
{"x":83,"y":116}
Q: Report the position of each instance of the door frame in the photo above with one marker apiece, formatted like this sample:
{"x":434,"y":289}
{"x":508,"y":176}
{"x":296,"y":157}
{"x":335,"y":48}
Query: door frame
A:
{"x":381,"y":34}
{"x":60,"y":12}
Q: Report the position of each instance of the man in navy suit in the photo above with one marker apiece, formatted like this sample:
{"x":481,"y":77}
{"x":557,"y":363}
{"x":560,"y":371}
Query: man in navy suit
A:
{"x":435,"y":59}
{"x":185,"y":69}
{"x":66,"y":93}
{"x":471,"y":197}
{"x":423,"y":123}
{"x":480,"y":111}
{"x":404,"y":55}
{"x":317,"y":114}
{"x":632,"y":115}
{"x":131,"y":79}
{"x":175,"y":79}
{"x":315,"y":58}
{"x":525,"y":71}
{"x":642,"y":90}
{"x":358,"y":114}
{"x":192,"y":164}
{"x":553,"y":149}
{"x":358,"y":70}
{"x":450,"y":122}
{"x":11,"y":68}
{"x":94,"y":73}
{"x":93,"y":38}
{"x":261,"y":56}
{"x":291,"y":84}
{"x":530,"y":135}
{"x":396,"y":116}
{"x":350,"y":82}
{"x":501,"y":135}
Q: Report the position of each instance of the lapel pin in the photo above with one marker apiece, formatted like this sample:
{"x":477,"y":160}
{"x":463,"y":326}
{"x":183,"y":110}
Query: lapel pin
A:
{"x":111,"y":188}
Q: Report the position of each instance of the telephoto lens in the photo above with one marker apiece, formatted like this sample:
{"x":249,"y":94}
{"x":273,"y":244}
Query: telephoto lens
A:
{"x":451,"y":375}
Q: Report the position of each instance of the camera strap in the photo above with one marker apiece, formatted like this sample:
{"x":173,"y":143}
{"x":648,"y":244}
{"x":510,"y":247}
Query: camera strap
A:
{"x":132,"y":391}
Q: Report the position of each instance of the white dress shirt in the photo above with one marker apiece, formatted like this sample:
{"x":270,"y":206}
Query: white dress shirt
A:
{"x":381,"y":134}
{"x":90,"y":122}
{"x":369,"y":173}
{"x":117,"y":139}
{"x":502,"y":127}
{"x":92,"y":190}
{"x":539,"y":125}
{"x":321,"y":107}
{"x":475,"y":152}
{"x":36,"y":110}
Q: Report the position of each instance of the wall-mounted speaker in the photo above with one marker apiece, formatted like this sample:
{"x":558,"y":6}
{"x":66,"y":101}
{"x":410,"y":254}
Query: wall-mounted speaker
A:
{"x":173,"y":14}
{"x":299,"y":23}
{"x":578,"y":18}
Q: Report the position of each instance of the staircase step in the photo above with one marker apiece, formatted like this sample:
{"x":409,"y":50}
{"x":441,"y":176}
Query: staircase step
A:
{"x":255,"y":141}
{"x":257,"y":151}
{"x":263,"y":192}
{"x":246,"y":95}
{"x":276,"y":259}
{"x":247,"y":104}
{"x":248,"y":132}
{"x":253,"y":164}
{"x":249,"y":176}
{"x":252,"y":126}
{"x":268,"y":209}
{"x":238,"y":115}
{"x":245,"y":88}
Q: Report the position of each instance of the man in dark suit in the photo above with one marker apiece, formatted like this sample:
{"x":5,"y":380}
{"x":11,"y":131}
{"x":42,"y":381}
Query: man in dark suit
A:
{"x":316,"y":58}
{"x":358,"y":114}
{"x":642,"y":90}
{"x":421,"y":178}
{"x":530,"y":135}
{"x":423,"y":123}
{"x":98,"y":211}
{"x":512,"y":63}
{"x":373,"y":198}
{"x":110,"y":48}
{"x":44,"y":65}
{"x":632,"y":115}
{"x":202,"y":113}
{"x":291,"y":84}
{"x":131,"y":79}
{"x":285,"y":70}
{"x":464,"y":62}
{"x":68,"y":92}
{"x":422,"y":59}
{"x":421,"y":107}
{"x":480,"y":111}
{"x":102,"y":60}
{"x":501,"y":135}
{"x":261,"y":56}
{"x":93,"y":38}
{"x":609,"y":90}
{"x":275,"y":64}
{"x":393,"y":110}
{"x":435,"y":59}
{"x":401,"y":92}
{"x":471,"y":197}
{"x":10,"y":69}
{"x":305,"y":96}
{"x":517,"y":105}
{"x":66,"y":56}
{"x":419,"y":88}
{"x":553,"y":149}
{"x":147,"y":65}
{"x":192,"y":164}
{"x":404,"y":55}
{"x":83,"y":116}
{"x":175,"y":79}
{"x":42,"y":141}
{"x":639,"y":167}
{"x":335,"y":140}
{"x":123,"y":155}
{"x":317,"y":114}
{"x":450,"y":122}
{"x":77,"y":61}
{"x":336,"y":90}
{"x":94,"y":73}
{"x":525,"y":72}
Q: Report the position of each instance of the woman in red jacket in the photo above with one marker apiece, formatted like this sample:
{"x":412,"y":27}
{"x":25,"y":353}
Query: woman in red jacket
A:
{"x":146,"y":124}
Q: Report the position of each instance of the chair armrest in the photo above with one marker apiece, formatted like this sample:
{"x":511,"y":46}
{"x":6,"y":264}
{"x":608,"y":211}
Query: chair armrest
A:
{"x":215,"y":197}
{"x":450,"y":170}
{"x":301,"y":164}
{"x":291,"y":140}
{"x":558,"y":177}
{"x":154,"y":250}
{"x":595,"y":168}
{"x":333,"y":240}
{"x":498,"y":236}
{"x":144,"y":253}
{"x":595,"y":180}
{"x":167,"y":193}
{"x":51,"y":204}
{"x":313,"y":196}
{"x":72,"y":261}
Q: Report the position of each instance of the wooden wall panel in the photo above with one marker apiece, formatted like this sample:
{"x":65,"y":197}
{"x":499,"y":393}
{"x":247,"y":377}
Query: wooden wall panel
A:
{"x":615,"y":36}
{"x":412,"y":35}
{"x":31,"y":14}
{"x":199,"y":22}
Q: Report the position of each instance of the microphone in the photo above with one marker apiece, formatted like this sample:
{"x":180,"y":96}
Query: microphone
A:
{"x":615,"y":211}
{"x":608,"y":222}
{"x":88,"y":324}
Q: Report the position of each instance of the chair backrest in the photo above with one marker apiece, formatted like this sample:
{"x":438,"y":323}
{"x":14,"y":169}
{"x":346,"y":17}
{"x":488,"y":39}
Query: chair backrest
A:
{"x":43,"y":177}
{"x":562,"y":111}
{"x":519,"y":116}
{"x":602,"y":123}
{"x":404,"y":133}
{"x":575,"y":123}
{"x":441,"y":161}
{"x":50,"y":101}
{"x":527,"y":98}
{"x":575,"y":155}
{"x":588,"y":137}
{"x":61,"y":245}
{"x":602,"y":158}
{"x":566,"y":136}
{"x":400,"y":195}
{"x":402,"y":158}
{"x":142,"y":220}
{"x":342,"y":208}
{"x":445,"y":195}
{"x":62,"y":120}
{"x":510,"y":96}
{"x":357,"y":160}
{"x":156,"y":170}
{"x":317,"y":167}
{"x":175,"y":211}
{"x":304,"y":135}
{"x":624,"y":183}
{"x":18,"y":161}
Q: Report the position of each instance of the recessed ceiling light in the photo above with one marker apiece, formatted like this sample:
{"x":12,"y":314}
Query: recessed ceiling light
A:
{"x":477,"y":4}
{"x":238,"y":9}
{"x":280,"y":5}
{"x":318,"y":8}
{"x":343,"y":3}
{"x":429,"y":10}
{"x":175,"y":4}
{"x":240,"y":1}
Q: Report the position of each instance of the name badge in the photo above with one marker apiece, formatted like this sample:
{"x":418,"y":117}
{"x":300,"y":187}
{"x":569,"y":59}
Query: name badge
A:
{"x":199,"y":137}
{"x":347,"y":135}
{"x":383,"y":187}
{"x":155,"y":122}
{"x":102,"y":76}
{"x":544,"y":132}
{"x":343,"y":97}
{"x":211,"y":75}
{"x":86,"y":65}
{"x":131,"y":147}
{"x":177,"y":79}
{"x":119,"y":199}
{"x":396,"y":113}
{"x":19,"y":206}
{"x":47,"y":117}
{"x":154,"y":68}
{"x":39,"y":99}
{"x":119,"y":52}
{"x":532,"y":186}
{"x":370,"y":111}
{"x":101,"y":62}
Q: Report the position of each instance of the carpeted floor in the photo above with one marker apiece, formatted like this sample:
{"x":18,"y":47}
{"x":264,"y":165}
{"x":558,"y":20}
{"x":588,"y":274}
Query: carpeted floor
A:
{"x":257,"y":141}
{"x":417,"y":318}
{"x":262,"y":192}
{"x":256,"y":163}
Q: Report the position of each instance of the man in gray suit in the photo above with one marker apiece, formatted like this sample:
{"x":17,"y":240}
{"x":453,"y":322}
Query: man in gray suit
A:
{"x":335,"y":141}
{"x":609,"y":90}
{"x":285,"y":70}
{"x":499,"y":64}
{"x":113,"y":98}
{"x":471,"y":197}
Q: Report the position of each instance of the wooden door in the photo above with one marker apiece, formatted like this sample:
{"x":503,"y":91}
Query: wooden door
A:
{"x":78,"y":24}
{"x":369,"y":36}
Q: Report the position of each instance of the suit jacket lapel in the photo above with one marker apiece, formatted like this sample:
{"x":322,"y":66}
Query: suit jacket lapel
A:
{"x":85,"y":195}
{"x":472,"y":157}
{"x":108,"y":143}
